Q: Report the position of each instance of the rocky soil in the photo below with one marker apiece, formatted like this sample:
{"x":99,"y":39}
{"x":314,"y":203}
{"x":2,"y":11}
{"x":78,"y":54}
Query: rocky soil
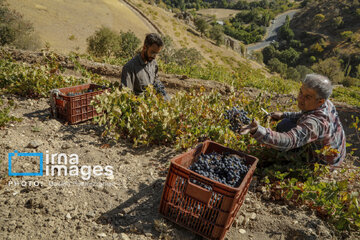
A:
{"x":124,"y":205}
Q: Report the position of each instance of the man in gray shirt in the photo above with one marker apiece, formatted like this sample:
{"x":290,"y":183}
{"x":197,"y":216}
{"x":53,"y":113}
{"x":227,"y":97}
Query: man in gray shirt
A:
{"x":142,"y":70}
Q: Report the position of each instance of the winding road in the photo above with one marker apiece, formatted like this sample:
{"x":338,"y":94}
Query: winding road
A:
{"x":272,"y":30}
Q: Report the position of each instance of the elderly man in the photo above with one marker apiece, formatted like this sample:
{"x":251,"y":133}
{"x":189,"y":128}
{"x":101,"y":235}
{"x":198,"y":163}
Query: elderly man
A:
{"x":142,"y":70}
{"x":317,"y":125}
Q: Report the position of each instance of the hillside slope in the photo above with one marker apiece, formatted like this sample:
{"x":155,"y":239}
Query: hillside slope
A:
{"x":328,"y":20}
{"x":66,"y":24}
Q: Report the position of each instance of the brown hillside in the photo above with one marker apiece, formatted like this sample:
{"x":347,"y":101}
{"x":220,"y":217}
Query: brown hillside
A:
{"x":66,"y":24}
{"x":319,"y":20}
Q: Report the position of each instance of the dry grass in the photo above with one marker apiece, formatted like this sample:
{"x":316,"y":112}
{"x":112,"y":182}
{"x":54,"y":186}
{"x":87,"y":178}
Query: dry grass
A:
{"x":219,"y":12}
{"x":57,"y":21}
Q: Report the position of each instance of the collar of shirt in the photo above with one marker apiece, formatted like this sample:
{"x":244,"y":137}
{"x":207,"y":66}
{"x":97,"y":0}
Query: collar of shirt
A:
{"x":141,"y":60}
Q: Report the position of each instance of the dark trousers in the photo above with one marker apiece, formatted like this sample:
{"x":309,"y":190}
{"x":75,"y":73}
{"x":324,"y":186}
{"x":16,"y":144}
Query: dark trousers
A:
{"x":286,"y":125}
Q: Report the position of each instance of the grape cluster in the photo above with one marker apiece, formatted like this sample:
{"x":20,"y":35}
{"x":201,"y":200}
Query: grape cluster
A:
{"x":237,"y":117}
{"x":229,"y":169}
{"x":159,"y":87}
{"x":71,"y":94}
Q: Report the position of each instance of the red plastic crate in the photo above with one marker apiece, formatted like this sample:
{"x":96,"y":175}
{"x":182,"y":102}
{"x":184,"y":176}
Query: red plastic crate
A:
{"x":75,"y":109}
{"x":209,"y":213}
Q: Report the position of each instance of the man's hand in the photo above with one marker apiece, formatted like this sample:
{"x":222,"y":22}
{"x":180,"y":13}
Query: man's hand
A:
{"x":277,"y":116}
{"x":251,"y":128}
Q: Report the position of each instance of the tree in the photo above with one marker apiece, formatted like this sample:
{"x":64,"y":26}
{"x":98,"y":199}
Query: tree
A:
{"x":330,"y":67}
{"x":201,"y":25}
{"x":269,"y":52}
{"x":217,"y":34}
{"x":289,"y":56}
{"x":275,"y":65}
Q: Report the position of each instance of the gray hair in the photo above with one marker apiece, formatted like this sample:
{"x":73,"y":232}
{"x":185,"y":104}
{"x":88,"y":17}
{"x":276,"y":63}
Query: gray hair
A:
{"x":320,"y":84}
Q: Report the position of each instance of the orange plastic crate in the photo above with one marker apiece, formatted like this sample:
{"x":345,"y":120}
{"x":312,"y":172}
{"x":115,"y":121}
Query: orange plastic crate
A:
{"x":209,"y":213}
{"x":75,"y":109}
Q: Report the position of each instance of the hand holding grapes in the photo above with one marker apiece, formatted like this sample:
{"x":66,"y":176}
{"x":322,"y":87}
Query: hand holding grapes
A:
{"x":251,"y":128}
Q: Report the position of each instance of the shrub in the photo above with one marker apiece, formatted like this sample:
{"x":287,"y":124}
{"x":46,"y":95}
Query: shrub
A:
{"x":186,"y":56}
{"x":330,"y":67}
{"x":351,"y":82}
{"x":104,"y":42}
{"x":346,"y":34}
{"x":269,"y":52}
{"x":15,"y":31}
{"x":292,"y":73}
{"x":275,"y":65}
{"x":201,"y":25}
{"x":303,"y":70}
{"x":4,"y":113}
{"x":167,"y":52}
{"x":217,"y":34}
{"x":258,"y":56}
{"x":128,"y":46}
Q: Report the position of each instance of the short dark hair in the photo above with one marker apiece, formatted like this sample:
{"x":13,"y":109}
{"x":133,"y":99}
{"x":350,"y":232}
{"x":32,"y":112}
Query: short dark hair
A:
{"x":153,"y":38}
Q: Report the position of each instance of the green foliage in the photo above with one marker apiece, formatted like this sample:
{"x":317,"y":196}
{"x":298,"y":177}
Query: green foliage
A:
{"x":258,"y":56}
{"x":292,"y":73}
{"x":302,"y":183}
{"x":349,"y":82}
{"x":36,"y":80}
{"x":15,"y":31}
{"x":346,"y":34}
{"x":330,"y":67}
{"x":129,"y":45}
{"x":5,"y":109}
{"x":166,"y":54}
{"x":303,"y":71}
{"x":275,"y":65}
{"x":285,"y":32}
{"x":270,"y":52}
{"x":186,"y":56}
{"x":349,"y":95}
{"x":217,"y":34}
{"x":289,"y":56}
{"x":201,"y":25}
{"x":319,"y":18}
{"x":338,"y":21}
{"x":104,"y":42}
{"x":182,"y":121}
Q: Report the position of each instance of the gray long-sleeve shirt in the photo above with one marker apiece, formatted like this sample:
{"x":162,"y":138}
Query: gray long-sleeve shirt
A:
{"x":137,"y":75}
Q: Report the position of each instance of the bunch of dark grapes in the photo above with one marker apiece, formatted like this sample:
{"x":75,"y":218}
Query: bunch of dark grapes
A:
{"x":237,"y":117}
{"x":229,"y":169}
{"x":159,"y":87}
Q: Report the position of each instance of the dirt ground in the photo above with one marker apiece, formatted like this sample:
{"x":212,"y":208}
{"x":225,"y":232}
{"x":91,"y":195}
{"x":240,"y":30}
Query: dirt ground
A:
{"x":124,"y":205}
